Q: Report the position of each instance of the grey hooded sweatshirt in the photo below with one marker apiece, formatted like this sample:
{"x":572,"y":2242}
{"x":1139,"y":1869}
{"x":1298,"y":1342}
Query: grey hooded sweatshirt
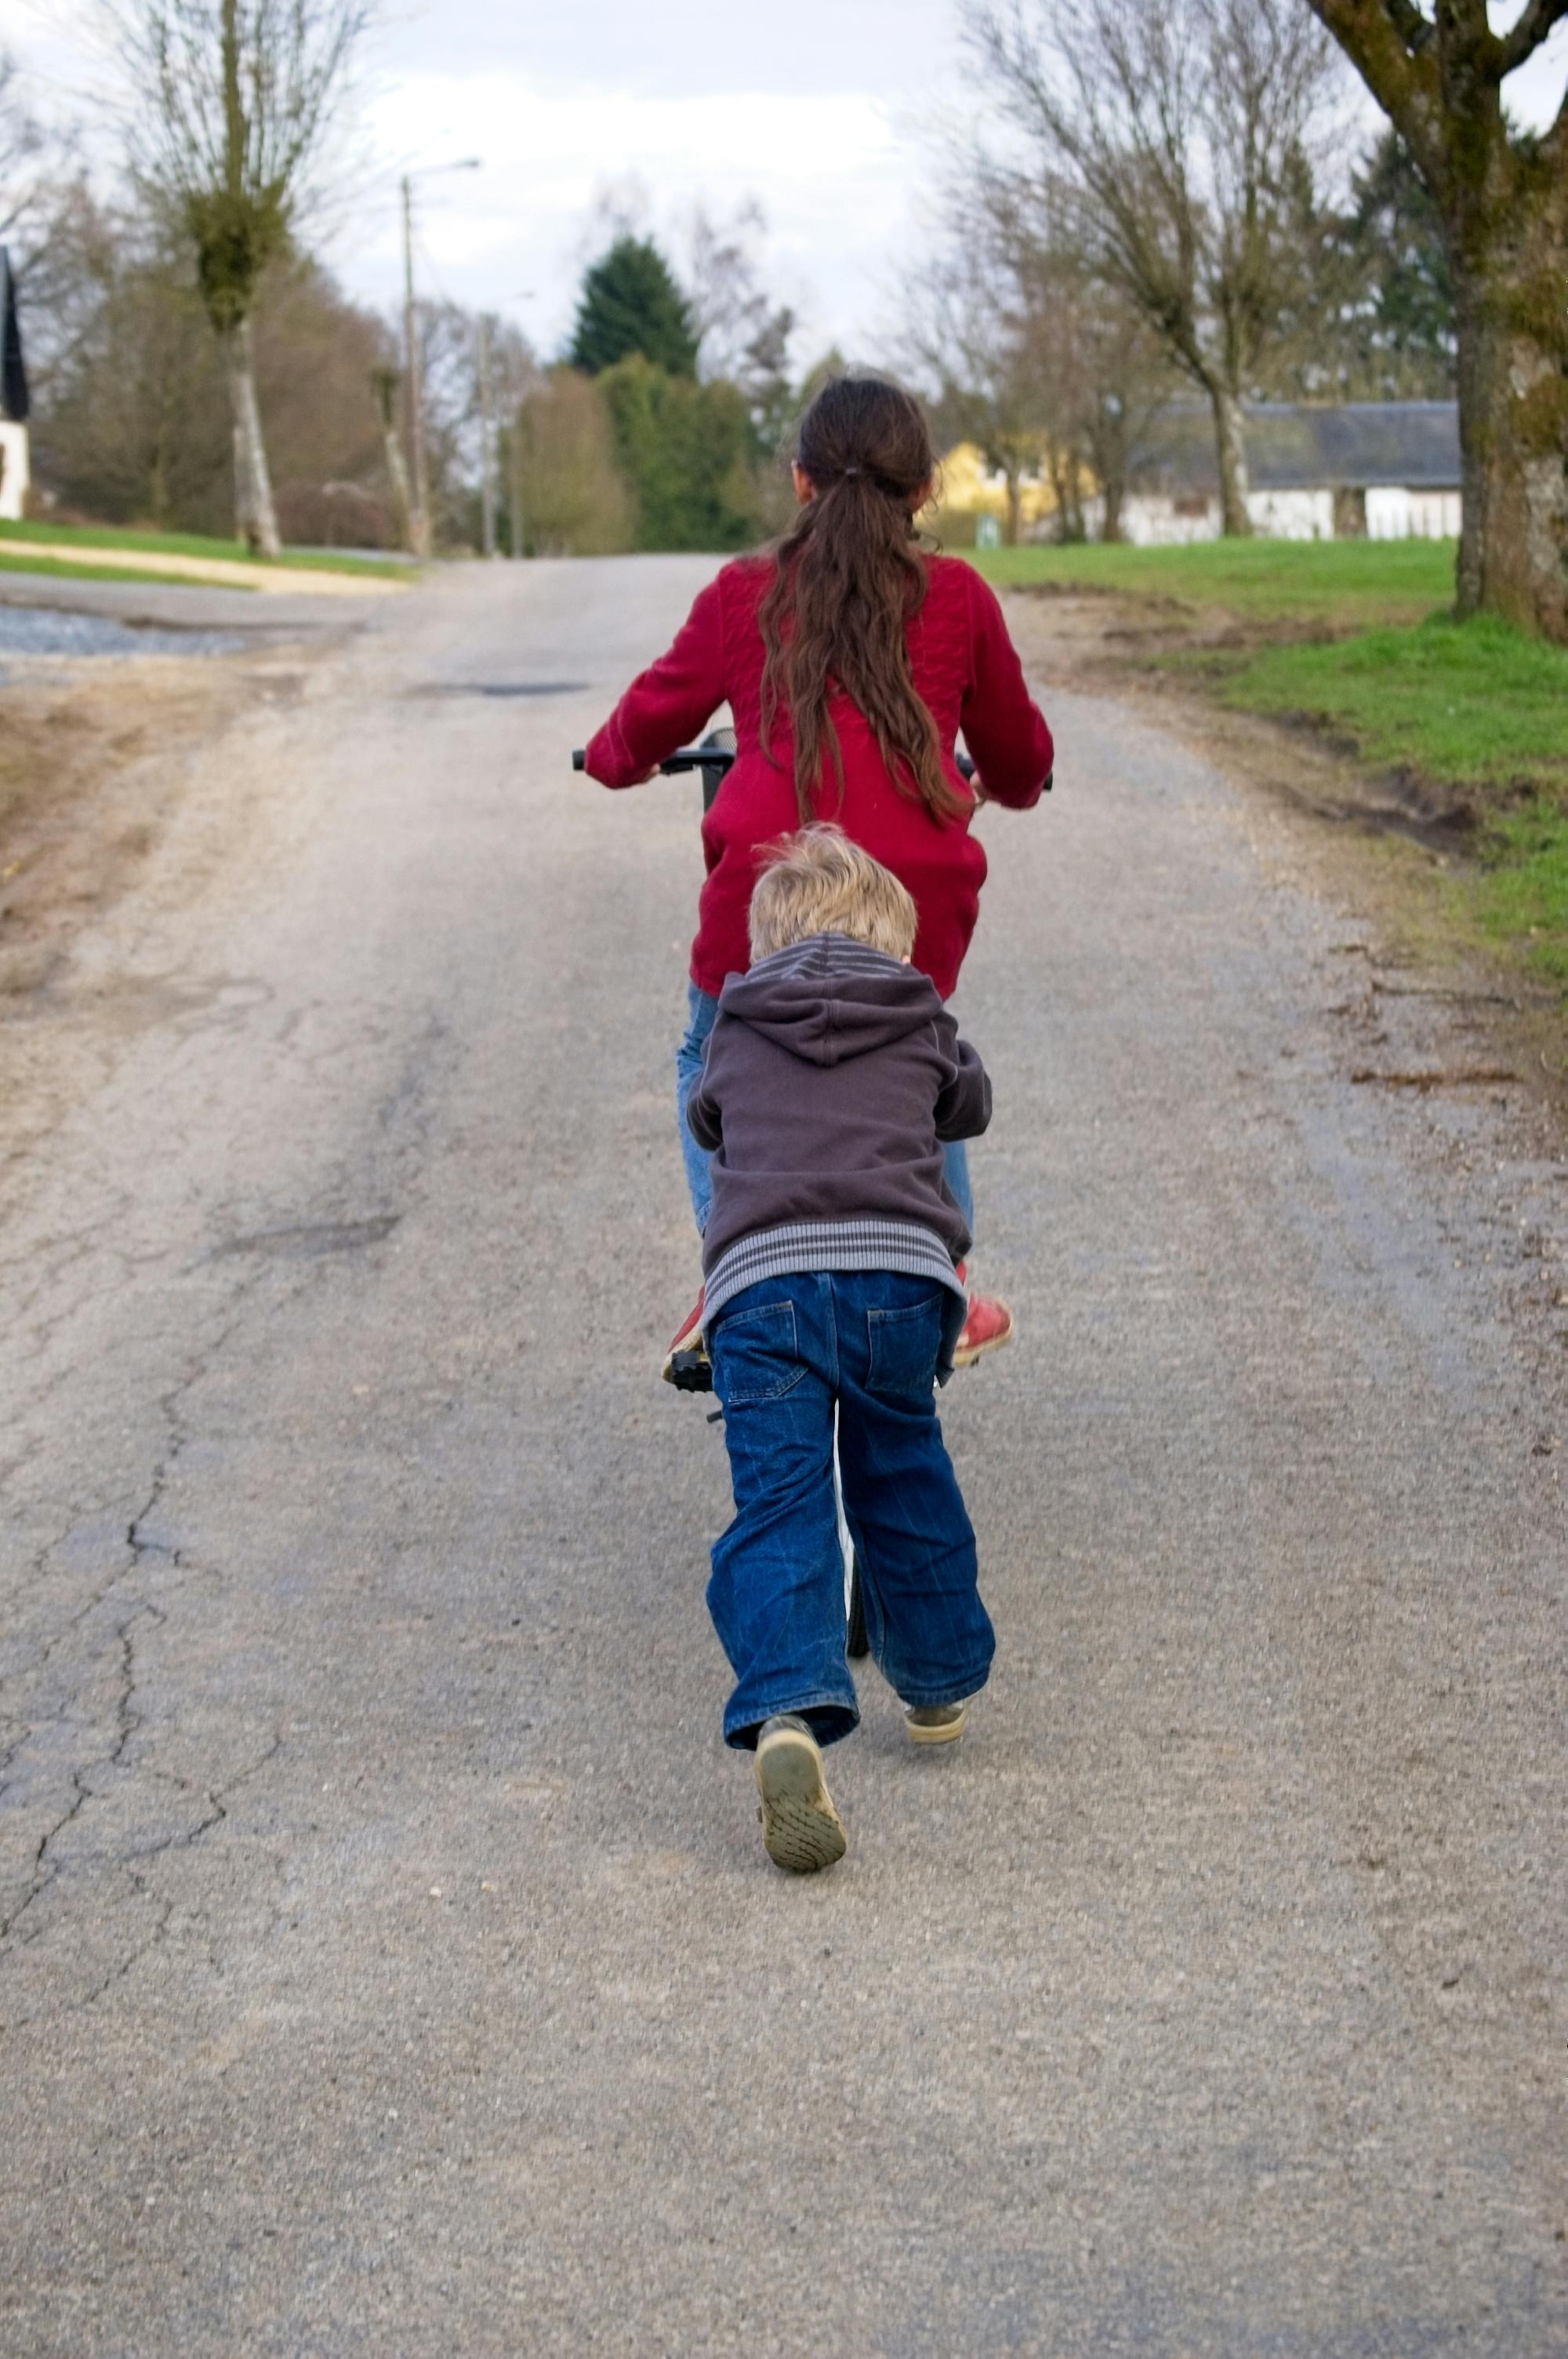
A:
{"x":832,"y":1075}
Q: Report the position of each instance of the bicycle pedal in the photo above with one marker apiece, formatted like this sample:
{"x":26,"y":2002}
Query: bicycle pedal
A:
{"x":691,"y":1372}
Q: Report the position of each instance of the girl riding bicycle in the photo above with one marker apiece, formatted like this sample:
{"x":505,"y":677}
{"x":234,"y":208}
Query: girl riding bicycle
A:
{"x":849,"y":659}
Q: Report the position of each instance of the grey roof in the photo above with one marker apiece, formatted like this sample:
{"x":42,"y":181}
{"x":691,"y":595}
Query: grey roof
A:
{"x":1307,"y":446}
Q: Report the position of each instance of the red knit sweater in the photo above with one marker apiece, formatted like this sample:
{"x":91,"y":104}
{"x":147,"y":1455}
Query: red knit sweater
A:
{"x":967,"y":669}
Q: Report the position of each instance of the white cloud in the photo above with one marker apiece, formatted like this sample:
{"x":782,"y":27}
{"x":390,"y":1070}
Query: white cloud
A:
{"x":832,"y":172}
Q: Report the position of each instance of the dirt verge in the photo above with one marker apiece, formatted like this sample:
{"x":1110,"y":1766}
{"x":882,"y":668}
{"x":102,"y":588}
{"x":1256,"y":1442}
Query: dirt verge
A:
{"x":92,"y":760}
{"x":101,"y":761}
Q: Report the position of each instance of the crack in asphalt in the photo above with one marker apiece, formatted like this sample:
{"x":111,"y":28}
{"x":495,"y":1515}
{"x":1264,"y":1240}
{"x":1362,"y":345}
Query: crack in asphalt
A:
{"x":216,"y":1813}
{"x":405,"y":1112}
{"x":126,"y":1721}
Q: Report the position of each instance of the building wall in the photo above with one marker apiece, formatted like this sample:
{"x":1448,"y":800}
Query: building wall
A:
{"x":1153,"y":519}
{"x":1291,"y":516}
{"x":1395,"y":514}
{"x":15,"y":473}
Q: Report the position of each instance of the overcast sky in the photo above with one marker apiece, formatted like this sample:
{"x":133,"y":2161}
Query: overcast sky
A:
{"x":823,"y":110}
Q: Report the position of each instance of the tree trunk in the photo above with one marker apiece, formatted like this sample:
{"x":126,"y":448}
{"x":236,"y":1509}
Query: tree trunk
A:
{"x":1512,"y":318}
{"x":1014,"y":510}
{"x":1503,"y":196}
{"x":1230,"y":448}
{"x":254,"y":516}
{"x":1107,"y":457}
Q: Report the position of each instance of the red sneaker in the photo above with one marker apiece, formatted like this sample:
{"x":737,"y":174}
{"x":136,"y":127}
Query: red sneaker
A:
{"x":687,"y":1363}
{"x":988,"y":1326}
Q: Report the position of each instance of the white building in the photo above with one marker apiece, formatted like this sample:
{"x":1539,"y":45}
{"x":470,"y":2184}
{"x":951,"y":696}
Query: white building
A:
{"x":1355,"y":470}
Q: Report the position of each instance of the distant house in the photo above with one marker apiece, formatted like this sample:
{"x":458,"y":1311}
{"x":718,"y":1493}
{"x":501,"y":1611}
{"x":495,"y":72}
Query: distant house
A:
{"x":1372,"y":470}
{"x":978,"y":493}
{"x":15,"y":473}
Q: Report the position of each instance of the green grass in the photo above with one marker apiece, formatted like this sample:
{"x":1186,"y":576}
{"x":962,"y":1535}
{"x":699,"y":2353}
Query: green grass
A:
{"x":1474,"y":705}
{"x":60,"y":570}
{"x":192,"y":544}
{"x":1522,"y":898}
{"x":1344,"y":584}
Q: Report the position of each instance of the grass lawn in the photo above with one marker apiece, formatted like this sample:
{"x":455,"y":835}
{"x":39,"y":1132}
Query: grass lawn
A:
{"x":191,"y":544}
{"x":1338,"y":584}
{"x":1522,"y":898}
{"x":1474,"y":705}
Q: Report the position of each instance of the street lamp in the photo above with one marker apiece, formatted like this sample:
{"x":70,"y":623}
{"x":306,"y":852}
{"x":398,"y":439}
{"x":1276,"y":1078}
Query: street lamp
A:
{"x":419,"y":514}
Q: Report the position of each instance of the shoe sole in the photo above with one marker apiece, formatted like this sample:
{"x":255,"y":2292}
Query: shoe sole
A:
{"x":946,"y":1734}
{"x":801,"y":1830}
{"x":966,"y":1359}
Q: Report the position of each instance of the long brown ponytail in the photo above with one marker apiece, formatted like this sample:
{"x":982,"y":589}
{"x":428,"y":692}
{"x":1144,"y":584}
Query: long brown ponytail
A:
{"x":848,"y":582}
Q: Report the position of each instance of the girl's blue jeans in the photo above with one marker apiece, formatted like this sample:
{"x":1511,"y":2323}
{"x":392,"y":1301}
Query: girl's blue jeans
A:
{"x":703,"y":1008}
{"x":784,"y":1352}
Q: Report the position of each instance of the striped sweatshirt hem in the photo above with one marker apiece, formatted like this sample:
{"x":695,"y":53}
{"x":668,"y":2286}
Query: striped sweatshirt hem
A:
{"x":863,"y":1244}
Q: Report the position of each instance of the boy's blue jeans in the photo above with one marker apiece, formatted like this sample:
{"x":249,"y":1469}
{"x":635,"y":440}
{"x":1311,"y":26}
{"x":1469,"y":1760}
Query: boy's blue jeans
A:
{"x":704,"y":1007}
{"x":782,"y":1353}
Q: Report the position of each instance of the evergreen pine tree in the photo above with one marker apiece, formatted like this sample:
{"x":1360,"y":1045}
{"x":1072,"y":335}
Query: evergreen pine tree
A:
{"x":631,"y":303}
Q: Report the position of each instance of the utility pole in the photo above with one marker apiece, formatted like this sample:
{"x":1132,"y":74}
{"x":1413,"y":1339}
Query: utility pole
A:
{"x":384,"y":384}
{"x":514,"y":504}
{"x":419,"y":516}
{"x":516,"y":500}
{"x":486,"y":439}
{"x":419,"y":510}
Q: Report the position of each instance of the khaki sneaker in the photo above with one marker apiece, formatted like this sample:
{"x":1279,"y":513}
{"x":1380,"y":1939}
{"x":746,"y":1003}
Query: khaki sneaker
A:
{"x":801,"y":1829}
{"x":935,"y":1723}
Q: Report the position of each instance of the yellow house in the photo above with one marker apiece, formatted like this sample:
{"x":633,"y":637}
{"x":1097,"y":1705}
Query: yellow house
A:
{"x":969,"y":488}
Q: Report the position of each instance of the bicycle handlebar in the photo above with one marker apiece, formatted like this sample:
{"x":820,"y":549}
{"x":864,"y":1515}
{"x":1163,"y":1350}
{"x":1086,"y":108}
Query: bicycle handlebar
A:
{"x":714,"y":758}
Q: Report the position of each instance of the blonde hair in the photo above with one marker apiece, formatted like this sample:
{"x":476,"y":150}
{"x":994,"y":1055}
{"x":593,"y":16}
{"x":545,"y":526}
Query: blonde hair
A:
{"x":819,"y":883}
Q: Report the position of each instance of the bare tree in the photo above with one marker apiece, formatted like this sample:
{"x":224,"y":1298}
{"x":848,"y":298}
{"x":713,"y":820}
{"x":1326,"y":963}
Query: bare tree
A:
{"x":41,"y":184}
{"x":1031,"y":353}
{"x":1175,"y":138}
{"x":744,"y":336}
{"x":24,"y":157}
{"x":1101,"y":372}
{"x":1503,"y":198}
{"x":453,"y":403}
{"x":229,"y":103}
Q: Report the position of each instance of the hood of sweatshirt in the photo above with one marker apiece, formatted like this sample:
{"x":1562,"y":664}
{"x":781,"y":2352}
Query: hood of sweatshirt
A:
{"x":829,"y":999}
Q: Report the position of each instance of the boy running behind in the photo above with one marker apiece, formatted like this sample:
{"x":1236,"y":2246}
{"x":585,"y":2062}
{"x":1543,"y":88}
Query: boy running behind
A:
{"x":833,"y":1074}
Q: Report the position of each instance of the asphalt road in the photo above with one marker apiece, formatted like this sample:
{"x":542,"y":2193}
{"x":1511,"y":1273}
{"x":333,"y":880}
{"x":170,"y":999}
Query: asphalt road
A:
{"x":390,"y":1965}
